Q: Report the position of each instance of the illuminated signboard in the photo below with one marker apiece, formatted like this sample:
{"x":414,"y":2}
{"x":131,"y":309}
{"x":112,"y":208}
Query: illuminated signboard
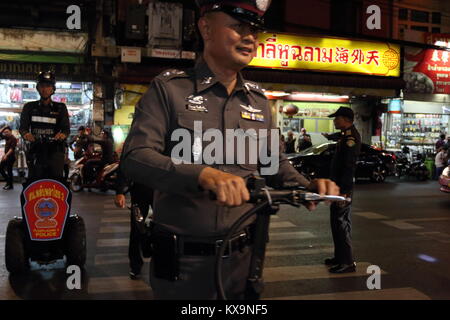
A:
{"x":282,"y":51}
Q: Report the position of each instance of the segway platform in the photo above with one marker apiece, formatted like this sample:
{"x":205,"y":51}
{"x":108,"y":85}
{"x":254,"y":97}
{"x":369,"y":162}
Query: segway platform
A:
{"x":47,"y":232}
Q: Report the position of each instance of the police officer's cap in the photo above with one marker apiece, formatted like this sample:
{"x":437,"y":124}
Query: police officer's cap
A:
{"x":344,"y":112}
{"x":46,"y":77}
{"x":249,"y":11}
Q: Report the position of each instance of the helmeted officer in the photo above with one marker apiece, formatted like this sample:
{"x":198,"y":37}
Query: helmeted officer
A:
{"x":45,"y":118}
{"x":343,"y":172}
{"x":188,"y":225}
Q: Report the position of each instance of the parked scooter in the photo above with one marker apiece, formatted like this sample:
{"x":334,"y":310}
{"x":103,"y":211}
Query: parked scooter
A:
{"x":415,"y":168}
{"x":105,"y":177}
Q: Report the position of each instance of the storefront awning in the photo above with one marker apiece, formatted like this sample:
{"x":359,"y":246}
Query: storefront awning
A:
{"x":326,"y":82}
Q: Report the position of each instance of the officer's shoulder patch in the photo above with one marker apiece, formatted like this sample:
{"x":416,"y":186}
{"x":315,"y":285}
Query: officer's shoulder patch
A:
{"x":171,"y":74}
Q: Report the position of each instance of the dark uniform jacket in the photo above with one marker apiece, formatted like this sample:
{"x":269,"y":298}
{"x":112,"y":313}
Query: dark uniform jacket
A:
{"x":40,"y":119}
{"x":343,"y":163}
{"x":174,"y":100}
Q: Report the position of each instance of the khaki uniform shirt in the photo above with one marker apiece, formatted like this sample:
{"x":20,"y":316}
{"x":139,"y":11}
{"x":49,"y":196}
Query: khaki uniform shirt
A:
{"x":175,"y":100}
{"x":343,"y":164}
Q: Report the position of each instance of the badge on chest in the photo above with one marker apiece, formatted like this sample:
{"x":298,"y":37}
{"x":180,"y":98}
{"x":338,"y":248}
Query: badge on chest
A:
{"x":196,"y":103}
{"x":252,"y":116}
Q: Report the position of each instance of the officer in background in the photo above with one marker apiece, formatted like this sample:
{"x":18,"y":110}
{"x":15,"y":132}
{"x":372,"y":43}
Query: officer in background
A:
{"x":47,"y":118}
{"x":343,"y":172}
{"x":81,"y":141}
{"x":141,"y":200}
{"x":188,"y":225}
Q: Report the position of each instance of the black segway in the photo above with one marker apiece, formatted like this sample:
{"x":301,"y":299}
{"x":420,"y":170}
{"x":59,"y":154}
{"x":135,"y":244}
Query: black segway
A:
{"x":267,"y":202}
{"x":46,"y":230}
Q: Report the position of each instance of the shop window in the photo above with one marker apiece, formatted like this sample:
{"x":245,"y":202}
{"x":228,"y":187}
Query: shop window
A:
{"x":419,"y":16}
{"x":436,"y":30}
{"x":436,"y":18}
{"x":419,"y":28}
{"x":403,"y":14}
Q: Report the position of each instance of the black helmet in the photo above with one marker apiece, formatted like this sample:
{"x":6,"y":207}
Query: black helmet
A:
{"x":46,"y":77}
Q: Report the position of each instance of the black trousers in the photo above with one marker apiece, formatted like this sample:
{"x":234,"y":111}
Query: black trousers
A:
{"x":341,"y":229}
{"x":49,"y":165}
{"x":143,"y":197}
{"x":8,"y":174}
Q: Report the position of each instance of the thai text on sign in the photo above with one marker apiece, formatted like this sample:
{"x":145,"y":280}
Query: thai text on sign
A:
{"x":283,"y":51}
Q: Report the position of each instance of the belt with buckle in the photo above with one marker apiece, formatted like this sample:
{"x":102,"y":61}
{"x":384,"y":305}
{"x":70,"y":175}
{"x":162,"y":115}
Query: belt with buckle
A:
{"x":236,"y":243}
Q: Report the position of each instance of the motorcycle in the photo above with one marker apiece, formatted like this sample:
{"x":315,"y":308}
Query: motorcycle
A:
{"x":105,"y":177}
{"x":46,"y":230}
{"x":415,"y":168}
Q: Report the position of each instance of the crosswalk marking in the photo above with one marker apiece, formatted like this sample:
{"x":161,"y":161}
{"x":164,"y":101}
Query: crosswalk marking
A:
{"x":282,"y":224}
{"x":116,"y":219}
{"x":383,"y":294}
{"x":119,"y":242}
{"x":111,"y":206}
{"x":290,"y":273}
{"x":369,"y":215}
{"x":110,"y":258}
{"x":427,"y":219}
{"x":293,"y":252}
{"x":435,"y":235}
{"x":402,"y":225}
{"x":115,"y":229}
{"x":290,"y":235}
{"x":115,"y":284}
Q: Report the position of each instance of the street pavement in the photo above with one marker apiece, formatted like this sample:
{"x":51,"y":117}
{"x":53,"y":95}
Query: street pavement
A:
{"x":403,"y":227}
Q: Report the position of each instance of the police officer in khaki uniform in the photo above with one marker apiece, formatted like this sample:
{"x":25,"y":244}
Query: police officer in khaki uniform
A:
{"x":343,"y":167}
{"x":188,"y":224}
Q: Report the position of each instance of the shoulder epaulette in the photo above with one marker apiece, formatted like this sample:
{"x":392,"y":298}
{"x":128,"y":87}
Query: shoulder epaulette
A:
{"x":171,"y":74}
{"x":252,"y":86}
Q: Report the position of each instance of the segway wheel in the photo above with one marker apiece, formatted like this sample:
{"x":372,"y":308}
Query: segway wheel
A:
{"x":16,"y":259}
{"x":75,"y":241}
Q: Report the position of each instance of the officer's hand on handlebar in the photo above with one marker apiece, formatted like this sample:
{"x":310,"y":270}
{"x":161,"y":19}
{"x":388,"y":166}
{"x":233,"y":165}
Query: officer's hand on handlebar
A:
{"x":60,"y":136}
{"x":29,"y":137}
{"x":322,"y":187}
{"x":229,"y":189}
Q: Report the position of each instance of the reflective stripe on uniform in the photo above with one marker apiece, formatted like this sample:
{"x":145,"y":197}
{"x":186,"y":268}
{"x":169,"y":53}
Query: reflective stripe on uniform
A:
{"x":43,"y":119}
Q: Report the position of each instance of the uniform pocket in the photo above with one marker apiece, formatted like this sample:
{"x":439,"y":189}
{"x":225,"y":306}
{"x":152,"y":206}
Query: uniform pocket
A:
{"x":188,"y":120}
{"x":255,"y":133}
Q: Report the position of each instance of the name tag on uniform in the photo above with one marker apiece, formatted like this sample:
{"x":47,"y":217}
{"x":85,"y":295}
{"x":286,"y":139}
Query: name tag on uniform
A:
{"x":43,"y":119}
{"x":196,"y":103}
{"x":252,"y":116}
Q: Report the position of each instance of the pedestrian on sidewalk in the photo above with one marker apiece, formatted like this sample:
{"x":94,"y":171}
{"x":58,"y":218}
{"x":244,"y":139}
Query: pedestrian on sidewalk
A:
{"x":9,"y":157}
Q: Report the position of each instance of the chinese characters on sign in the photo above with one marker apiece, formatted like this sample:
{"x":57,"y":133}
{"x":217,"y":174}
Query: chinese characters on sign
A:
{"x":428,"y":70}
{"x":326,"y":54}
